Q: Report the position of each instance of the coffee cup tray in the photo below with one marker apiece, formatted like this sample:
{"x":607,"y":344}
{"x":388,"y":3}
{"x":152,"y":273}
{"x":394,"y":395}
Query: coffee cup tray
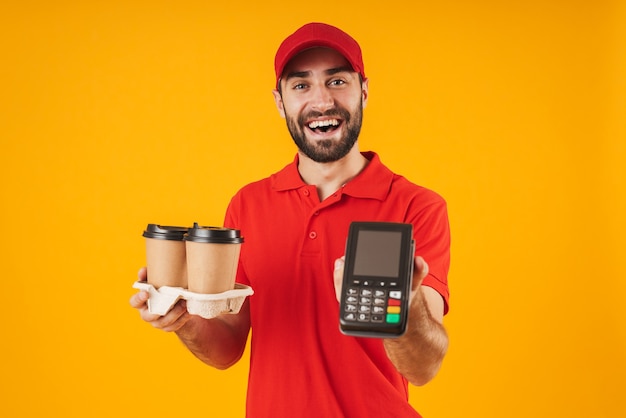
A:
{"x":161,"y":300}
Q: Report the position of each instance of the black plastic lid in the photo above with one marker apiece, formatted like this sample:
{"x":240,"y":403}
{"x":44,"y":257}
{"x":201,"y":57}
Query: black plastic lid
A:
{"x":213,"y":234}
{"x":171,"y":233}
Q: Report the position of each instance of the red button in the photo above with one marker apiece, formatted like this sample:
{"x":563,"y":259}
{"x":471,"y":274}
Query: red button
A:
{"x":306,"y":192}
{"x":393,"y":302}
{"x":312,"y":234}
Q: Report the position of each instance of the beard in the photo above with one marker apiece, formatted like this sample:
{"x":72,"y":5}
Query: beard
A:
{"x":328,"y":150}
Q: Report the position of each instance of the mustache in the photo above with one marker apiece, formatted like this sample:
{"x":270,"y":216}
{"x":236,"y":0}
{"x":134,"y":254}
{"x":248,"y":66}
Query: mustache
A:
{"x":335,"y":112}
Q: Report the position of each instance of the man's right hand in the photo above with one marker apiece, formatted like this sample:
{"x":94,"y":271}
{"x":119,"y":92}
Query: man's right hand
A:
{"x":171,"y":321}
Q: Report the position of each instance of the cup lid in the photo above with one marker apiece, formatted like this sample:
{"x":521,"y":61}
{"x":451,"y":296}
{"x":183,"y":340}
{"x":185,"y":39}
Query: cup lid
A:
{"x":171,"y":233}
{"x":213,"y":234}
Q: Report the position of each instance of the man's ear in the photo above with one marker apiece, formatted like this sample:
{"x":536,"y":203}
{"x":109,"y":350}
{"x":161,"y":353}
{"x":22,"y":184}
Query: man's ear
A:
{"x":365,"y":91}
{"x":279,"y":102}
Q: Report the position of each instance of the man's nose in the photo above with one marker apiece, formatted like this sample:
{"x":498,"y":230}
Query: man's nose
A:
{"x":322,"y":99}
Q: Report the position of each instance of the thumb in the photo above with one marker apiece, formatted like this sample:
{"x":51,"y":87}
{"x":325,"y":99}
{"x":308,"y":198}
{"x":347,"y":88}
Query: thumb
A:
{"x":421,"y":271}
{"x":338,"y":276}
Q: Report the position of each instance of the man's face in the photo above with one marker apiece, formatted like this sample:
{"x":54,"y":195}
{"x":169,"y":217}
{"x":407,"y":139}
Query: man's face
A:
{"x":322,"y":99}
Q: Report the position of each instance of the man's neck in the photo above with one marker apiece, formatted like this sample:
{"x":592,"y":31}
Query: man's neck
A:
{"x":330,"y":177}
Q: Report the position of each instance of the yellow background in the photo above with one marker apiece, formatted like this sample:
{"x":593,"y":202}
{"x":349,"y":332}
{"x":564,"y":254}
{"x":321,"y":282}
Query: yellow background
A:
{"x":120,"y":113}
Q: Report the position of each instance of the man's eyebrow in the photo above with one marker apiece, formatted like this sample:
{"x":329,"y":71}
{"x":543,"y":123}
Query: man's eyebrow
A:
{"x":330,"y":71}
{"x":346,"y":68}
{"x":298,"y":74}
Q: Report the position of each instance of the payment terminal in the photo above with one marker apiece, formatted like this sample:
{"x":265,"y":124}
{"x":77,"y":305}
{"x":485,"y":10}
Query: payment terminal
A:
{"x":377,"y":279}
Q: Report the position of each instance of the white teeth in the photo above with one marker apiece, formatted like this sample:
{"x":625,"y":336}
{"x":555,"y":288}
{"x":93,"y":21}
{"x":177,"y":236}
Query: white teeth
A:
{"x":318,"y":123}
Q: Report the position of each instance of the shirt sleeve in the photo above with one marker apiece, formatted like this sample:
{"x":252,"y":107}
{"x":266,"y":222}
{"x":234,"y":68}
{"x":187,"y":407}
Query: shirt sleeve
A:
{"x":232,"y":220}
{"x":432,"y":242}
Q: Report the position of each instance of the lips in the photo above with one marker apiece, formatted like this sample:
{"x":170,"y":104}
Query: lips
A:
{"x":323,"y":125}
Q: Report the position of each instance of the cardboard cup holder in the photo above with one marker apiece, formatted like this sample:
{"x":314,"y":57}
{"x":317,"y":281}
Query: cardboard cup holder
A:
{"x":207,"y":306}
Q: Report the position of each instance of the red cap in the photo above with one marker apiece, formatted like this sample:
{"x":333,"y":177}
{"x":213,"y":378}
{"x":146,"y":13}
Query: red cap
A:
{"x":318,"y":35}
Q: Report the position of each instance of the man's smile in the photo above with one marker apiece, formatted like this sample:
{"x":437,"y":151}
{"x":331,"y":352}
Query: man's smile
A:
{"x":322,"y":126}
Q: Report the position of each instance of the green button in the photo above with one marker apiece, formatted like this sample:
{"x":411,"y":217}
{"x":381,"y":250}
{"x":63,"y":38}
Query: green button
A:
{"x":393,"y":318}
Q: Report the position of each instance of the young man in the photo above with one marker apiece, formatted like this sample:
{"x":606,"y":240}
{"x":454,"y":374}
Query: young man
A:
{"x":295,"y":223}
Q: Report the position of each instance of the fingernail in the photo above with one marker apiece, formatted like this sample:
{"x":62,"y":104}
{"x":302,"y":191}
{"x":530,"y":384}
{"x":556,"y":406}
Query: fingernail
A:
{"x":338,"y":263}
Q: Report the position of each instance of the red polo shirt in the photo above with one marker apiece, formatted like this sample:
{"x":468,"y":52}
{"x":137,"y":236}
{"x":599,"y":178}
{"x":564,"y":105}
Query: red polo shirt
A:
{"x":301,"y":365}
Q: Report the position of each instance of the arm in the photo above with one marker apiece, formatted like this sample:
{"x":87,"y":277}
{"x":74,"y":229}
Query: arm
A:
{"x":418,"y":354}
{"x":218,"y":342}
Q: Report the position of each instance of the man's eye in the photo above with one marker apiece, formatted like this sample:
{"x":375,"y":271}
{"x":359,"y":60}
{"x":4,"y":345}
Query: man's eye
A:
{"x":337,"y":82}
{"x":299,"y":86}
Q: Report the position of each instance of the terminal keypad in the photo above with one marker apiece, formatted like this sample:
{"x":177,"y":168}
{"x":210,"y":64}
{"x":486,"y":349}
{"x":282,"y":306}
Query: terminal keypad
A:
{"x":373,"y":301}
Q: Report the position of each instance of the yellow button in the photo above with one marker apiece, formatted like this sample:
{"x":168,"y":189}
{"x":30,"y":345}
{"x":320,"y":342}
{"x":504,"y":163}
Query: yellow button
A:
{"x":393,"y":309}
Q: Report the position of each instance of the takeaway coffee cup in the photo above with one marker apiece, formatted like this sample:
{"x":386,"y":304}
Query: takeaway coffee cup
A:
{"x":212,"y":258}
{"x":165,"y":255}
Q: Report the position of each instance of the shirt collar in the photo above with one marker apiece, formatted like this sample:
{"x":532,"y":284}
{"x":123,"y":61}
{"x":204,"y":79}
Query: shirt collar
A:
{"x":373,"y":182}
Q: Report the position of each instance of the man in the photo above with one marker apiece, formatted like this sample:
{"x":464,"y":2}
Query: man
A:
{"x":295,"y":223}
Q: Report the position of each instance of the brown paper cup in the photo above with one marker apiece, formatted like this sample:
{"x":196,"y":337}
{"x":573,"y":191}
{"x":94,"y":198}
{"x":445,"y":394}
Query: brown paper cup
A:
{"x":212,"y":268}
{"x":212,"y":259}
{"x":166,"y":256}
